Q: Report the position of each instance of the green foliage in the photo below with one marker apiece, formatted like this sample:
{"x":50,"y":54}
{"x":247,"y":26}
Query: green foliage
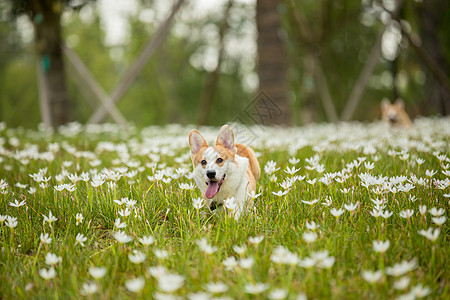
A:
{"x":170,"y":88}
{"x":165,"y":211}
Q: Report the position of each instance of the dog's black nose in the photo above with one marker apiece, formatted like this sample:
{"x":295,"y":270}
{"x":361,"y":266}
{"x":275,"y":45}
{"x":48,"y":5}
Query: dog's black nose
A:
{"x":211,"y":174}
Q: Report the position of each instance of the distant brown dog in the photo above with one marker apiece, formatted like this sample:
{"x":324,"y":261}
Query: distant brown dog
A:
{"x":395,"y":114}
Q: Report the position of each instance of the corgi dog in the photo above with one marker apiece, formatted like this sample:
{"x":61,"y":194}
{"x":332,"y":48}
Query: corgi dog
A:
{"x":224,"y":171}
{"x":395,"y":114}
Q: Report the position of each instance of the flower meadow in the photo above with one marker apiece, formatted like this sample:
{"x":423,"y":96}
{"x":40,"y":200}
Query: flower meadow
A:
{"x":341,"y":212}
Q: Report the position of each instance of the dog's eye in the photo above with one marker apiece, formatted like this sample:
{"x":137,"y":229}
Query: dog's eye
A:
{"x":219,"y":160}
{"x":203,"y":162}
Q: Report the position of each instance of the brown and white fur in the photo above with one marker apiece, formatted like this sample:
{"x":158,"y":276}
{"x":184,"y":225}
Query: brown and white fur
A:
{"x":225,"y":170}
{"x":395,"y":114}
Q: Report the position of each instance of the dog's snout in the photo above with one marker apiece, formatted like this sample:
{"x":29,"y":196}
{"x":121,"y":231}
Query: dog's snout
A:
{"x":211,"y":174}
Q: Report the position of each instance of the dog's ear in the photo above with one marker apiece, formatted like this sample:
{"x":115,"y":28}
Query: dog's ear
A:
{"x":385,"y":103}
{"x":196,"y":141}
{"x":226,"y":138}
{"x":399,"y":103}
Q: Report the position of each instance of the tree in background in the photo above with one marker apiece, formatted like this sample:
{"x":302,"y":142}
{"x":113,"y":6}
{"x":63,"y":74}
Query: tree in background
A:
{"x":272,"y":65}
{"x":431,"y":16}
{"x":46,"y":18}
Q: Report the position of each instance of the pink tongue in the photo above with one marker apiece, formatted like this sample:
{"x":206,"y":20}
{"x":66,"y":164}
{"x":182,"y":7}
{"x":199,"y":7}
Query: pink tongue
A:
{"x":212,"y":189}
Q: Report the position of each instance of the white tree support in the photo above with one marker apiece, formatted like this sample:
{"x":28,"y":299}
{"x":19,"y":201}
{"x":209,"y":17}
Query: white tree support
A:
{"x":43,"y":97}
{"x":133,"y":71}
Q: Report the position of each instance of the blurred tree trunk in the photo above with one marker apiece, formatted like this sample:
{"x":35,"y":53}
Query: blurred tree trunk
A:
{"x":212,"y":78}
{"x":431,"y":16}
{"x":46,"y":17}
{"x":271,"y":64}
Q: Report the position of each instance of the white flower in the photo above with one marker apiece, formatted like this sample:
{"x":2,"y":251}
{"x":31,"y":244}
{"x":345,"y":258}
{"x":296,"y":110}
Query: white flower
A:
{"x":240,"y":249}
{"x":253,"y":195}
{"x":256,"y":288}
{"x":430,"y":173}
{"x":281,"y":255}
{"x":246,"y":263}
{"x":216,"y":287}
{"x":294,"y":160}
{"x":291,"y":171}
{"x":278,"y":294}
{"x":161,"y":253}
{"x":45,"y":238}
{"x":386,"y":214}
{"x":369,"y":165}
{"x":312,"y":225}
{"x":96,"y":182}
{"x":402,"y":283}
{"x":420,"y":291}
{"x":88,"y":288}
{"x":11,"y":222}
{"x":309,"y":236}
{"x":16,"y":203}
{"x":371,"y":276}
{"x":307,"y":262}
{"x":122,"y":237}
{"x":439,"y":220}
{"x":125,"y":212}
{"x":146,"y":240}
{"x":137,"y":257}
{"x":79,"y":217}
{"x":52,"y":259}
{"x":326,"y":263}
{"x":230,"y":263}
{"x":376,"y":212}
{"x":205,"y":247}
{"x":345,"y":190}
{"x":420,"y":161}
{"x":380,"y":246}
{"x":169,"y":283}
{"x":270,"y":167}
{"x":97,"y":273}
{"x":337,"y":212}
{"x":119,"y":202}
{"x":435,"y":212}
{"x":119,"y":224}
{"x":400,"y":269}
{"x":50,"y":219}
{"x":351,"y":206}
{"x":256,"y":240}
{"x":328,"y":201}
{"x":280,"y":193}
{"x":198,"y":203}
{"x":422,"y":209}
{"x":301,"y":296}
{"x":230,"y":204}
{"x":135,"y":285}
{"x":405,"y":214}
{"x":157,"y":271}
{"x":163,"y":296}
{"x":310,"y":202}
{"x":378,"y":201}
{"x":199,"y":296}
{"x":80,"y":239}
{"x":430,"y":233}
{"x":47,"y":274}
{"x":186,"y":186}
{"x":311,"y":181}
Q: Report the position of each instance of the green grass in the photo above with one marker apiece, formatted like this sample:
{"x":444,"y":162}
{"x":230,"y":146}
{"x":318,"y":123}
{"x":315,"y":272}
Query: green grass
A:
{"x":165,"y":212}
